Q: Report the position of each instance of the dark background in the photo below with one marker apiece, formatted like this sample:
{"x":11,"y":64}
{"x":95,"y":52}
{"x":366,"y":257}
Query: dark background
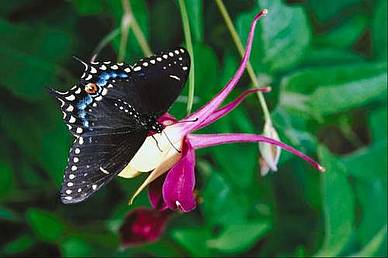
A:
{"x":326,"y":63}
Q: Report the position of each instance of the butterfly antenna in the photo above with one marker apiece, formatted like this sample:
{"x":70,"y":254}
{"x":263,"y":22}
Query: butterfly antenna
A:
{"x":81,"y":61}
{"x":157,"y":143}
{"x":168,"y":139}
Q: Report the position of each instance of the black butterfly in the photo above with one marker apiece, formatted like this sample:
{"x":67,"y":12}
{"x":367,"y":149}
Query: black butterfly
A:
{"x":111,"y":111}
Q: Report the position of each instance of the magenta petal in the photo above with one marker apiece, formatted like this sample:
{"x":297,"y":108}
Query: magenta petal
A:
{"x":180,"y":182}
{"x":167,"y":119}
{"x":207,"y":140}
{"x":155,"y":194}
{"x":219,"y":113}
{"x":213,"y":104}
{"x":142,"y":226}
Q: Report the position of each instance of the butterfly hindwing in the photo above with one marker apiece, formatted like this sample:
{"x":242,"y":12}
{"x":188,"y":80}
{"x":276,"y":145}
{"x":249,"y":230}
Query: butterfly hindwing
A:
{"x":95,"y":159}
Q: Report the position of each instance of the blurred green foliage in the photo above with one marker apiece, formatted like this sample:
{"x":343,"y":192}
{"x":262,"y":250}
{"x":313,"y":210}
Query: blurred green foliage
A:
{"x":327,"y":64}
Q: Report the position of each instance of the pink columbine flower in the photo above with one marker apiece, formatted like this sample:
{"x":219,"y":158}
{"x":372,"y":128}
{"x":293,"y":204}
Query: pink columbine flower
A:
{"x":172,"y":180}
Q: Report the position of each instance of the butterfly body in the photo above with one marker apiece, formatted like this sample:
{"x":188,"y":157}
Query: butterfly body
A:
{"x":111,"y":111}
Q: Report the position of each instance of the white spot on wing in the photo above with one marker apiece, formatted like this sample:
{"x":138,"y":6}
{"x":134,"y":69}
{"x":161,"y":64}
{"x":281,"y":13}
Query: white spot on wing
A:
{"x":104,"y":92}
{"x":72,"y":119}
{"x":175,"y":77}
{"x":70,"y":98}
{"x":104,"y":171}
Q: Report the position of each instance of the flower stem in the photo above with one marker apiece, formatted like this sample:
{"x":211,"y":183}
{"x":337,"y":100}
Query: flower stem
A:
{"x":189,"y":44}
{"x":129,"y":21}
{"x":237,"y":42}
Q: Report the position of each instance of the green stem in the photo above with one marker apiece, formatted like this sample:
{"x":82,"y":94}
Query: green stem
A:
{"x":239,"y":45}
{"x":189,"y":44}
{"x":129,"y":21}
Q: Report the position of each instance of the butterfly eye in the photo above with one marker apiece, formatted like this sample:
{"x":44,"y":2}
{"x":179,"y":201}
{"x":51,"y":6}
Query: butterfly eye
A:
{"x":91,"y":88}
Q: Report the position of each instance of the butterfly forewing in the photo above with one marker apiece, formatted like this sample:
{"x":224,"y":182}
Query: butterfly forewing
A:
{"x":111,"y":111}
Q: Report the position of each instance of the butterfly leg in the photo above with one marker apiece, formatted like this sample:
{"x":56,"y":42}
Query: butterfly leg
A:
{"x":157,"y":143}
{"x":168,"y":139}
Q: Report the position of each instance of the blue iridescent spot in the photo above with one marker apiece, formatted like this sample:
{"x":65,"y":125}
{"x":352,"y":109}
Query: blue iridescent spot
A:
{"x":101,"y":82}
{"x":104,"y":76}
{"x":123,"y":75}
{"x":82,"y":114}
{"x":82,"y":104}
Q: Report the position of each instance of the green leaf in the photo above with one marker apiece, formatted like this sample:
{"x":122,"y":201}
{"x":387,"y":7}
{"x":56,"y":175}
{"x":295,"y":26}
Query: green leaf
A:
{"x":339,"y":98}
{"x":328,"y":56}
{"x":6,"y":179}
{"x":368,"y":166}
{"x":49,"y":136}
{"x":7,"y":214}
{"x":195,"y":13}
{"x":34,"y":51}
{"x":379,"y":30}
{"x":18,"y":245}
{"x":310,"y":79}
{"x":86,"y":7}
{"x":325,"y":10}
{"x":238,"y":169}
{"x":236,"y":239}
{"x":194,"y":240}
{"x":344,"y":35}
{"x":338,"y":205}
{"x":373,"y":217}
{"x":371,"y":248}
{"x":378,"y":124}
{"x":206,"y":67}
{"x":46,"y":225}
{"x":76,"y":247}
{"x":285,"y":34}
{"x":219,"y":197}
{"x":359,"y":163}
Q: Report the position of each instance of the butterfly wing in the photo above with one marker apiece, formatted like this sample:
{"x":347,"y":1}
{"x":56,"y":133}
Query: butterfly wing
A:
{"x":95,"y":159}
{"x":157,"y":81}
